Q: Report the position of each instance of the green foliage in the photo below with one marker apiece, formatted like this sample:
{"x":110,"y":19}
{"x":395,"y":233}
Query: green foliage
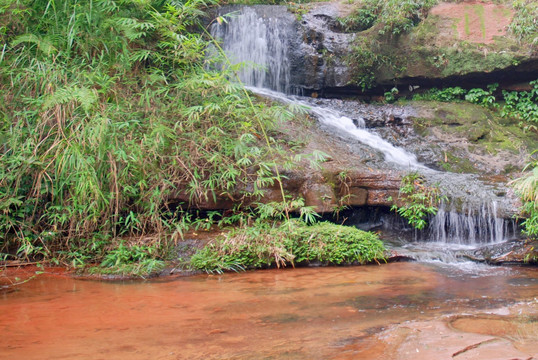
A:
{"x":524,"y":23}
{"x":108,"y":114}
{"x":140,"y":260}
{"x":483,"y":97}
{"x":363,"y":18}
{"x":527,"y":189}
{"x":392,"y":17}
{"x":446,"y":94}
{"x":419,"y":200}
{"x":366,"y":59}
{"x":400,"y":16}
{"x":390,"y":96}
{"x":266,"y":244}
{"x":522,"y":105}
{"x":395,"y":16}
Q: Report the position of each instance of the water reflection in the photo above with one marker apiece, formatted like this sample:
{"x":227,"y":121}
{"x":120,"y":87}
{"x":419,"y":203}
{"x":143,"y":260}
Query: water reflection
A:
{"x":308,"y":313}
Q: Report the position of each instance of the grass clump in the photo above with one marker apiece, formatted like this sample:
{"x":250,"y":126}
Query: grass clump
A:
{"x":269,"y":244}
{"x":134,"y":259}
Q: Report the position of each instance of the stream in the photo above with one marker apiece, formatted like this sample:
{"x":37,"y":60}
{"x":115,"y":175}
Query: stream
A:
{"x":305,"y":313}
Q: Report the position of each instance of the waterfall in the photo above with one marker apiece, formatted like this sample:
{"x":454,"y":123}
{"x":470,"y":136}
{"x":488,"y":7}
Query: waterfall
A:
{"x":469,"y":226}
{"x":351,"y":128}
{"x":259,"y":42}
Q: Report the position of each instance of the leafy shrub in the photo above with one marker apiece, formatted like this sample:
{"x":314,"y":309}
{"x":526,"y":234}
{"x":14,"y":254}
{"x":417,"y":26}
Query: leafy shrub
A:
{"x":522,"y":105}
{"x":400,"y":16}
{"x":390,"y":96}
{"x":419,"y":200}
{"x":445,"y":95}
{"x":366,"y":59}
{"x":524,"y":23}
{"x":396,"y":16}
{"x":483,"y":97}
{"x":266,"y":244}
{"x":363,"y":18}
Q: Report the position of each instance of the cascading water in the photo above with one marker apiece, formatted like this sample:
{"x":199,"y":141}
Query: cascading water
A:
{"x":470,"y":227}
{"x":354,"y":129}
{"x":258,"y":40}
{"x":258,"y":36}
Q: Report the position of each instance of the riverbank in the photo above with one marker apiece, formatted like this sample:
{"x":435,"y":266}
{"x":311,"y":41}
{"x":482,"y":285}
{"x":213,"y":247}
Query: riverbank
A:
{"x":16,"y":273}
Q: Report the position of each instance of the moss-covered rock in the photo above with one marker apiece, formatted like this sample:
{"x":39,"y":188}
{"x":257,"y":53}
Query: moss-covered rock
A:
{"x":266,"y":244}
{"x":471,"y":138}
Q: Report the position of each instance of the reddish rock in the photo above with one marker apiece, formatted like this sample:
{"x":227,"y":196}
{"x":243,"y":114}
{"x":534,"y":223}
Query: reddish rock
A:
{"x":381,"y":197}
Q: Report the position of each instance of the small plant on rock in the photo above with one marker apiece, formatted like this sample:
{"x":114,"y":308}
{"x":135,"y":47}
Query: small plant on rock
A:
{"x":419,"y":199}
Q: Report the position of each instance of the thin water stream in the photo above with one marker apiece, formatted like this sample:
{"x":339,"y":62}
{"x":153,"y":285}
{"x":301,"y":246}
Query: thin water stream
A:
{"x":306,"y":313}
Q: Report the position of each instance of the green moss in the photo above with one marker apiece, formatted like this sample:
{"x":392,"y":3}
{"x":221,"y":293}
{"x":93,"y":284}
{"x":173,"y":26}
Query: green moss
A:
{"x":421,"y":126}
{"x":480,"y":126}
{"x":479,"y":10}
{"x":427,"y":30}
{"x":467,"y":24}
{"x":484,"y":130}
{"x":457,"y":164}
{"x":467,"y":58}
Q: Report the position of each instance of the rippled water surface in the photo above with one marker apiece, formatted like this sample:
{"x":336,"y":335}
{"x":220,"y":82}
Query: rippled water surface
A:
{"x":307,"y":313}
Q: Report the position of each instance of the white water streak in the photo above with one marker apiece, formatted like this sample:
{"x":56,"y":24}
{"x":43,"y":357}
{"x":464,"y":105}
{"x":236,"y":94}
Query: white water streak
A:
{"x":260,"y":44}
{"x":468,"y":227}
{"x":336,"y":120}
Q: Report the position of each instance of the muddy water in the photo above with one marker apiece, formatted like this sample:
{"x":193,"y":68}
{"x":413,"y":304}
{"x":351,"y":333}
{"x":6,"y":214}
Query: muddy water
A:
{"x":309,"y":313}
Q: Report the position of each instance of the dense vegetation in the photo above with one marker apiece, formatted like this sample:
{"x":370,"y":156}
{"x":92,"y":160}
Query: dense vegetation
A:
{"x":270,"y":244}
{"x":527,"y":188}
{"x":519,"y":105}
{"x":107,"y":112}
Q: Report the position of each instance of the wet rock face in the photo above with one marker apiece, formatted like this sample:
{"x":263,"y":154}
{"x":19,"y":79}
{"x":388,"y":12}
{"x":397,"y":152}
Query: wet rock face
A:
{"x":323,"y":192}
{"x":320,"y":60}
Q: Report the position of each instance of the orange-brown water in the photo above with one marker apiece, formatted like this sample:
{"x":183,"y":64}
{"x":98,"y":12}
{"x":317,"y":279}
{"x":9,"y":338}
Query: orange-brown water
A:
{"x":308,"y":313}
